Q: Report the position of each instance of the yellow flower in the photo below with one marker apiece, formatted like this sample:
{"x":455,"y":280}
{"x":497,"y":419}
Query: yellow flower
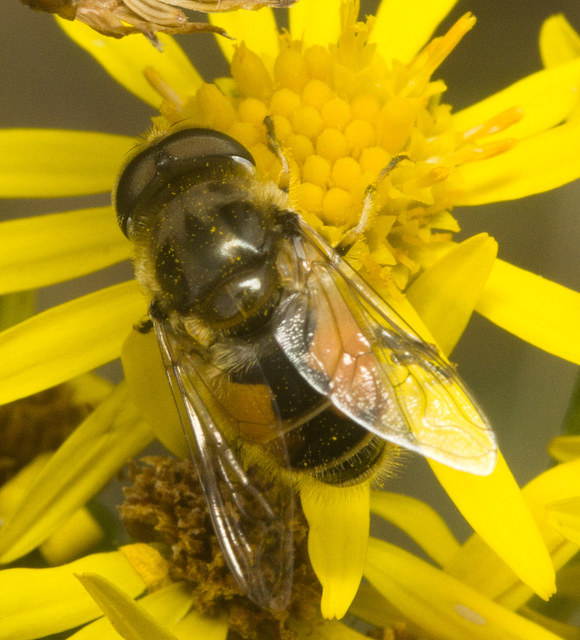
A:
{"x":475,"y":596}
{"x":37,"y":602}
{"x":345,"y":97}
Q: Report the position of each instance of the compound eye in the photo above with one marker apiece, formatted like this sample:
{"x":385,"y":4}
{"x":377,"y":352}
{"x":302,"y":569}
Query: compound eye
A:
{"x":189,"y":144}
{"x":181,"y":152}
{"x":136,"y":176}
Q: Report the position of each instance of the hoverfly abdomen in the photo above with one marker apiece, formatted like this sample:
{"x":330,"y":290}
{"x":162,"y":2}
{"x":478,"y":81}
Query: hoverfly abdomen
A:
{"x":319,"y":439}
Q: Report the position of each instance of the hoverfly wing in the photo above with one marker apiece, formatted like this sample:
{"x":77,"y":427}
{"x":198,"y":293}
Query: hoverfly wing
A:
{"x":351,"y":346}
{"x":251,"y":512}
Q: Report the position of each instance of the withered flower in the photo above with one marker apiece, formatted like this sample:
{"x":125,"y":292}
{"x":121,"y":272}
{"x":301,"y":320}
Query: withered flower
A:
{"x":118,"y":18}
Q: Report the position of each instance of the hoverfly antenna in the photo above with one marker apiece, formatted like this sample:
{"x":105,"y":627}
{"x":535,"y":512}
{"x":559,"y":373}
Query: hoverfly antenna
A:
{"x":289,"y":176}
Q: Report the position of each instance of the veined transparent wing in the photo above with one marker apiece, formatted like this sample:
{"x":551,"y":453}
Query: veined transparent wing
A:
{"x":351,"y":346}
{"x":251,"y":510}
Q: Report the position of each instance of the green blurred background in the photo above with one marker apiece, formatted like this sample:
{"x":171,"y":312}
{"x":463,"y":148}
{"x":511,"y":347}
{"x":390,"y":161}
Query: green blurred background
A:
{"x":48,"y":82}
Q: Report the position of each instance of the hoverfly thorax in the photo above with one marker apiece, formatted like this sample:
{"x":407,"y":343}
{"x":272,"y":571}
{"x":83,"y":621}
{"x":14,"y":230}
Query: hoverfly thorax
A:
{"x":191,"y":205}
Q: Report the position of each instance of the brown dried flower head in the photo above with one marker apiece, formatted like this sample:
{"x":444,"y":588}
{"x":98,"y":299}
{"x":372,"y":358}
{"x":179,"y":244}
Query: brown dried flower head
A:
{"x":118,"y":18}
{"x":37,"y":424}
{"x":165,"y":506}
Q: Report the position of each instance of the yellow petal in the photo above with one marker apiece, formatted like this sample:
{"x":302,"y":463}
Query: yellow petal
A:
{"x":315,"y":22}
{"x":419,"y":521}
{"x":493,"y":505}
{"x":403,"y":28}
{"x":147,"y":619}
{"x":100,"y":446}
{"x":561,"y":83}
{"x":257,"y":29}
{"x":560,"y":629}
{"x":197,"y":625}
{"x":75,"y":537}
{"x":148,"y":563}
{"x":558,"y":41}
{"x":564,"y":516}
{"x":557,"y":485}
{"x":42,"y":250}
{"x":90,"y":388}
{"x":16,"y":307}
{"x":48,"y":163}
{"x":40,"y":602}
{"x":436,"y":601}
{"x":12,"y":492}
{"x":328,"y":630}
{"x":539,"y":163}
{"x":127,"y":59}
{"x":340,"y":515}
{"x":150,"y":391}
{"x":537,"y":310}
{"x":67,"y":340}
{"x":565,"y":448}
{"x":370,"y":606}
{"x":476,"y":565}
{"x":128,"y":618}
{"x":445,"y":294}
{"x":78,"y":535}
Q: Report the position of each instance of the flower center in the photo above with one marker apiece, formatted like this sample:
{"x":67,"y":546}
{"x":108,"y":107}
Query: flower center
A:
{"x":343,"y":112}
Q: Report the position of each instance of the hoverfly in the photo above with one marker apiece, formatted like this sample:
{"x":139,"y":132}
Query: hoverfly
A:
{"x":280,"y":356}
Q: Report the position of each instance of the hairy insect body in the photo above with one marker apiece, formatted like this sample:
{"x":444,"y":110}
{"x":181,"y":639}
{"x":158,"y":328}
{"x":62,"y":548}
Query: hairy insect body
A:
{"x":280,"y":357}
{"x":221,"y":264}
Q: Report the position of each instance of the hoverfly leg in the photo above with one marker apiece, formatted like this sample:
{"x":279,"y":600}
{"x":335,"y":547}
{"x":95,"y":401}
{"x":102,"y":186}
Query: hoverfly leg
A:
{"x":290,"y":175}
{"x":368,"y":206}
{"x":144,"y":326}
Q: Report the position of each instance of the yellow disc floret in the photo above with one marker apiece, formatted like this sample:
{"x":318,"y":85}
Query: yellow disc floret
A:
{"x":342,"y":113}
